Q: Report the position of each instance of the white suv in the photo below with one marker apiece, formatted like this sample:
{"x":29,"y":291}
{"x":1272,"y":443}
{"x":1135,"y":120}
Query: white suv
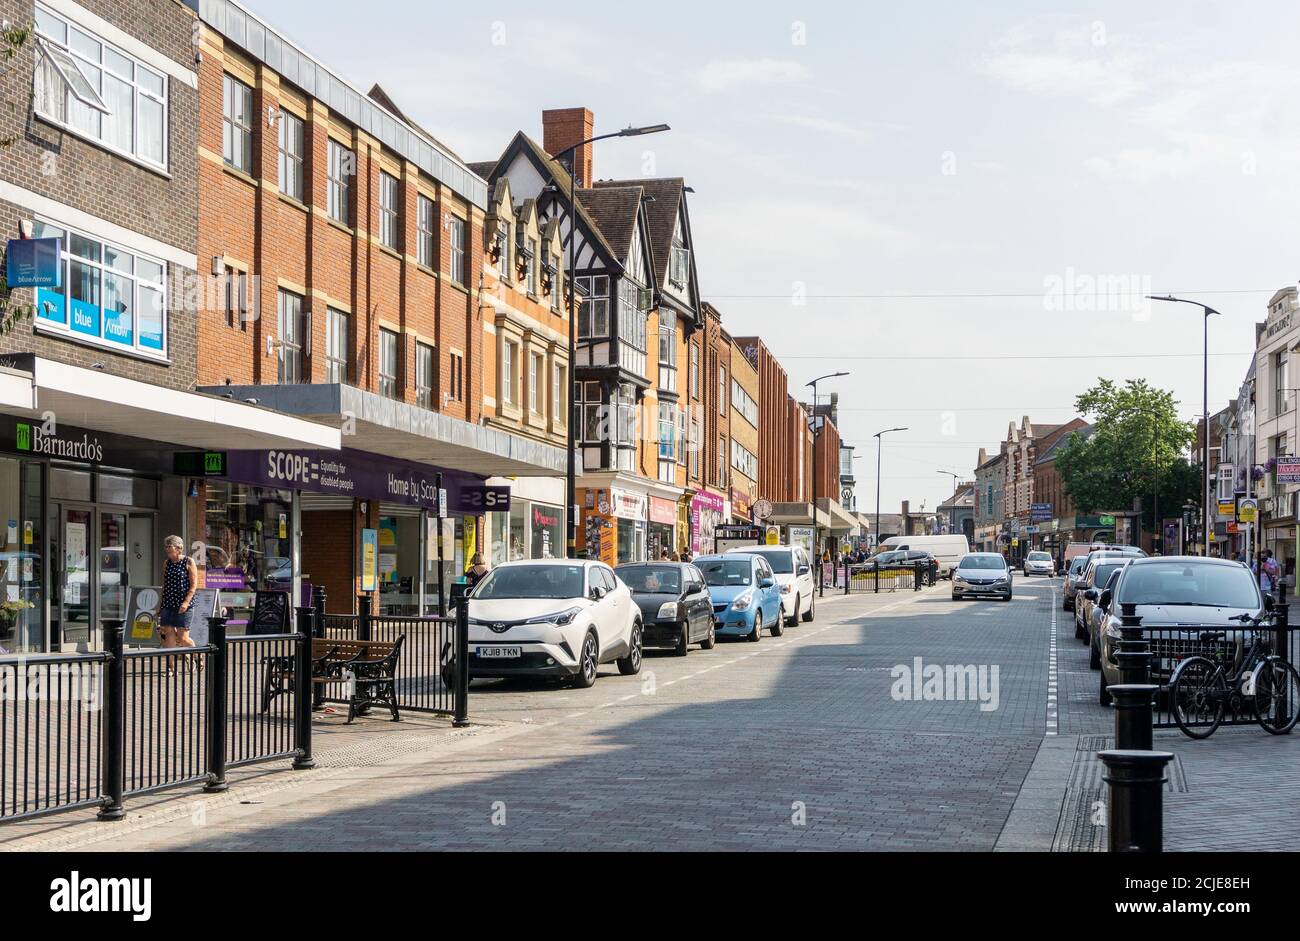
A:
{"x":553,"y":617}
{"x":793,"y":576}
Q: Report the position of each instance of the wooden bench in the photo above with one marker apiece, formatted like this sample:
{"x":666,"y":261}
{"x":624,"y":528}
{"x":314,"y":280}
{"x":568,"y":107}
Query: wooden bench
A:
{"x":367,"y":667}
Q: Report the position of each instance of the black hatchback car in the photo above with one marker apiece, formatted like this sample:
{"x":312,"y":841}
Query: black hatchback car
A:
{"x":676,"y":610}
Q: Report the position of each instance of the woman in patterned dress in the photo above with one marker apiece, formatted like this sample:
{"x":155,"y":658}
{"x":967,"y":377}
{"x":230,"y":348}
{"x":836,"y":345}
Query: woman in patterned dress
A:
{"x":180,"y":580}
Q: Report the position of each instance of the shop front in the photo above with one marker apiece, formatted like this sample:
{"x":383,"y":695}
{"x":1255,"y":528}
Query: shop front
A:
{"x":533,"y":527}
{"x":661,"y":531}
{"x":614,"y":526}
{"x":708,"y":512}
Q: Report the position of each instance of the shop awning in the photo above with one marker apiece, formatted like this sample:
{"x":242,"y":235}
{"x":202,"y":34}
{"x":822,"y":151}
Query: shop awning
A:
{"x":31,"y":387}
{"x":830,"y":516}
{"x":385,"y":426}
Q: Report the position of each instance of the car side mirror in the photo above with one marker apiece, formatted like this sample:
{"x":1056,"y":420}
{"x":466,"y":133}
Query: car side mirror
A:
{"x":804,"y":570}
{"x":1091,"y":594}
{"x":766,"y":583}
{"x":597,"y":592}
{"x":1104,"y":601}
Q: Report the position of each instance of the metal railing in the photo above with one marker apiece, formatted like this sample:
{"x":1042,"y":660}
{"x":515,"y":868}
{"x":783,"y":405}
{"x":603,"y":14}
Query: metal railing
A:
{"x":92,"y":729}
{"x":428,"y":678}
{"x":868,"y":578}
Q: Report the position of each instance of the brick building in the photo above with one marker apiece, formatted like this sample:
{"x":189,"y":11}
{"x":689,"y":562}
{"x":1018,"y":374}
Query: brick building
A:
{"x":746,"y":427}
{"x":353,"y":246}
{"x":101,"y":164}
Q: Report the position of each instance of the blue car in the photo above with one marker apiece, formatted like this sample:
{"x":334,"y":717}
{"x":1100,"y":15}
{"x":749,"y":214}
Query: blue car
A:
{"x":746,"y":598}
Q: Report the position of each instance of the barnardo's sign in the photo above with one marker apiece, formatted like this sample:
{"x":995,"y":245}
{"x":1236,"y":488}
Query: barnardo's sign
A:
{"x":359,"y":475}
{"x":36,"y":438}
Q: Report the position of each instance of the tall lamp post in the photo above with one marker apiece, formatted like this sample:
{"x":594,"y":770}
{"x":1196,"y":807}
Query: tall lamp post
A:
{"x":1207,"y":311}
{"x":952,"y":510}
{"x":821,"y":584}
{"x":571,"y":470}
{"x":877,"y":437}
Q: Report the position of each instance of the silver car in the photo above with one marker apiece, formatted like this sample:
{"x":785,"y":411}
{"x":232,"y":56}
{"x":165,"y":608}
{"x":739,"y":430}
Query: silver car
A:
{"x":1185,"y":595}
{"x":1040,"y":563}
{"x":981,"y":575}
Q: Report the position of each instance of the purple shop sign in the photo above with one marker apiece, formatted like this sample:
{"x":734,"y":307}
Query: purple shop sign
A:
{"x":347,"y":473}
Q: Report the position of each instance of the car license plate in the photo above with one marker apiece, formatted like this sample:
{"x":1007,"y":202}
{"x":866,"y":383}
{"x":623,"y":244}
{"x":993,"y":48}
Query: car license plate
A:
{"x":503,"y":653}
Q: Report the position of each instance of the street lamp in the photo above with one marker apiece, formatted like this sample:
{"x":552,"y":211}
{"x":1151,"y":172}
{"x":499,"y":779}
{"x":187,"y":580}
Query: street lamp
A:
{"x":877,"y":437}
{"x":821,"y":584}
{"x":570,"y":472}
{"x":1207,"y":310}
{"x":952,"y":510}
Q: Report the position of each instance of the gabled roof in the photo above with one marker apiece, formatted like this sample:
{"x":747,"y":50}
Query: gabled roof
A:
{"x":661,"y":214}
{"x":483,"y":168}
{"x":1049,"y":454}
{"x":615,"y":210}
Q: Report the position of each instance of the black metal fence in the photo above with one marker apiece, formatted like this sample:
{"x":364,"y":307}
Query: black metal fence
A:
{"x":1169,"y":646}
{"x":428,"y":678}
{"x":869,"y":578}
{"x":92,"y":729}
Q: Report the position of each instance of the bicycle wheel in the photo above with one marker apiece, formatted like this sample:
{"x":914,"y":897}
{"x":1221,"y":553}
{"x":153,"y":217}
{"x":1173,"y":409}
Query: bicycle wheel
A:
{"x":1197,"y":696}
{"x":1277,"y":695}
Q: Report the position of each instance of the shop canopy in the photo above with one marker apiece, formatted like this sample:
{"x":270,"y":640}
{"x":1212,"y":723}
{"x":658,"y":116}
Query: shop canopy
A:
{"x":830,"y":516}
{"x":380,"y":425}
{"x":33,"y":387}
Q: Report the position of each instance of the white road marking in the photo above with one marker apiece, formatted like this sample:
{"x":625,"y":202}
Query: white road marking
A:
{"x":1052,"y":725}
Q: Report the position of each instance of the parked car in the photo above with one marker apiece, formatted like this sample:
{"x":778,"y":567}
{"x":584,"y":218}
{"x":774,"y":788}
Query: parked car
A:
{"x":1187,"y":594}
{"x":982,"y":575}
{"x":553,"y":617}
{"x":886,"y":560}
{"x":948,"y":550}
{"x":1076,"y":549}
{"x":1090,"y":587}
{"x":676,"y":610}
{"x":744,"y":593}
{"x":1097,"y":614}
{"x":1073,"y":577}
{"x":1039,"y":563}
{"x":794,"y":577}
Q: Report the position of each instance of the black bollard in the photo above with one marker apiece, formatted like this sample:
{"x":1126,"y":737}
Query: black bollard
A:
{"x":1135,"y":803}
{"x":217,"y":671}
{"x":1134,"y":654}
{"x":302,"y":692}
{"x":114,"y":767}
{"x":1133,"y":705}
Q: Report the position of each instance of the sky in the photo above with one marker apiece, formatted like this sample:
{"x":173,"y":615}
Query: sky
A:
{"x":960,"y":204}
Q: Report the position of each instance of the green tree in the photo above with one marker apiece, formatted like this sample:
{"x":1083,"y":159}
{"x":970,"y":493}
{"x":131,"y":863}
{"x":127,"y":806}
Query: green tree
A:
{"x":1137,"y":442}
{"x":12,"y":41}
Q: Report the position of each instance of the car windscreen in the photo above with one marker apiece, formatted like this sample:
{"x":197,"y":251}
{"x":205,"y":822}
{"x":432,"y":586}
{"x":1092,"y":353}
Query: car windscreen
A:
{"x":651,"y":579}
{"x":1077,"y":565}
{"x":720,"y":573}
{"x":531,"y":581}
{"x":885,"y":557}
{"x":780,"y":561}
{"x":983,"y":562}
{"x":1039,"y":557}
{"x":1190,"y":583}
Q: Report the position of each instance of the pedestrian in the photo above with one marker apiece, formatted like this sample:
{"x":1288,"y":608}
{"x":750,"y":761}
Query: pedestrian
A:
{"x":676,"y":557}
{"x":476,"y":572}
{"x":180,"y":581}
{"x":686,"y":556}
{"x":663,"y":554}
{"x":1267,"y":571}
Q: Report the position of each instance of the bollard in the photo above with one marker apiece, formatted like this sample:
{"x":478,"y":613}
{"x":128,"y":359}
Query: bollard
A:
{"x":318,"y":630}
{"x":114,"y":720}
{"x":1282,"y":632}
{"x":917,"y":577}
{"x":302,"y":693}
{"x":1133,"y":706}
{"x":877,"y":578}
{"x":363,"y":616}
{"x":1135,"y":803}
{"x":1134,"y":654}
{"x":461,"y":717}
{"x":848,"y":577}
{"x":217,"y":672}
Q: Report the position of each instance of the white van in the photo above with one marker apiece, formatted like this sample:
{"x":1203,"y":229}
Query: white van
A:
{"x":947,"y":550}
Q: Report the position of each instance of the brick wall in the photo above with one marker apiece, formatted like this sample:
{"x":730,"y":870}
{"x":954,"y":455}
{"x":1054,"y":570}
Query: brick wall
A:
{"x":329,"y":546}
{"x":52,"y":162}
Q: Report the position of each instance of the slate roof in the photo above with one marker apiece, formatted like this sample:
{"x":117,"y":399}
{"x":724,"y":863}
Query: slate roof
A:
{"x":615,"y":209}
{"x":1050,"y":453}
{"x":661,"y":216}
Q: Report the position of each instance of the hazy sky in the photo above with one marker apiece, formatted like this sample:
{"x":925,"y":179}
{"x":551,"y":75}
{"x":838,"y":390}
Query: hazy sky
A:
{"x":989,"y":160}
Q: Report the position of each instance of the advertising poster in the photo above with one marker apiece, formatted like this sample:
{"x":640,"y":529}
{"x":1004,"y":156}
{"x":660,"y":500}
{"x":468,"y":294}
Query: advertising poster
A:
{"x":369,"y":560}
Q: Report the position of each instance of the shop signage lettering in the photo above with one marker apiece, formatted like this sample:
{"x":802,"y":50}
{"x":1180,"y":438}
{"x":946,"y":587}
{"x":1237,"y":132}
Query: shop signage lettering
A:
{"x":628,"y":505}
{"x":541,"y":519}
{"x":495,"y":498}
{"x":85,"y":448}
{"x":663,"y":511}
{"x":33,"y":263}
{"x":1288,"y":470}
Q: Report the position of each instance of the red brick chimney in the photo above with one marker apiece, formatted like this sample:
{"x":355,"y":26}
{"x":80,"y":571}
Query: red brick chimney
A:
{"x":564,"y":127}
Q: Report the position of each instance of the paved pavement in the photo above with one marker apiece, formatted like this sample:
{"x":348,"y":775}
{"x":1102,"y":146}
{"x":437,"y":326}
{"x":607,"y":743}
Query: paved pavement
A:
{"x":817,"y":740}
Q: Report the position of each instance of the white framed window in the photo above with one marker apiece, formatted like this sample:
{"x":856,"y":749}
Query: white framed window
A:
{"x":291,"y":148}
{"x":667,"y":352}
{"x":293,"y":329}
{"x":336,"y":346}
{"x":693,"y":449}
{"x":1226,"y":481}
{"x":667,"y":432}
{"x":559,"y":403}
{"x":390,"y":206}
{"x":508,"y":378}
{"x":94,"y":89}
{"x":722,"y":461}
{"x":743,"y":460}
{"x":237,"y":123}
{"x":426,"y":247}
{"x":722,"y":390}
{"x":695,"y":371}
{"x":111,"y":295}
{"x":593,"y":314}
{"x":743,"y":403}
{"x":589,"y":412}
{"x":424,"y":361}
{"x":681,"y":435}
{"x":342,"y":168}
{"x":536,"y":374}
{"x":388,"y":363}
{"x":456,"y":247}
{"x":456,"y":377}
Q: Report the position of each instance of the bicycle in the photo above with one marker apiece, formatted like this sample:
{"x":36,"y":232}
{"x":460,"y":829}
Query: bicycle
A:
{"x":1201,"y":690}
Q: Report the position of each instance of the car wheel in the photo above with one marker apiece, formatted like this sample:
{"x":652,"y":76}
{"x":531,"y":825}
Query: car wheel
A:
{"x":812,"y":609}
{"x":1094,"y":656}
{"x":757,"y":633}
{"x":794,"y":618}
{"x":1008,"y":597}
{"x":956,"y":597}
{"x":1103,"y":696}
{"x":683,"y":640}
{"x":777,"y":622}
{"x":631,"y":664}
{"x":588,"y":662}
{"x":708,"y":642}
